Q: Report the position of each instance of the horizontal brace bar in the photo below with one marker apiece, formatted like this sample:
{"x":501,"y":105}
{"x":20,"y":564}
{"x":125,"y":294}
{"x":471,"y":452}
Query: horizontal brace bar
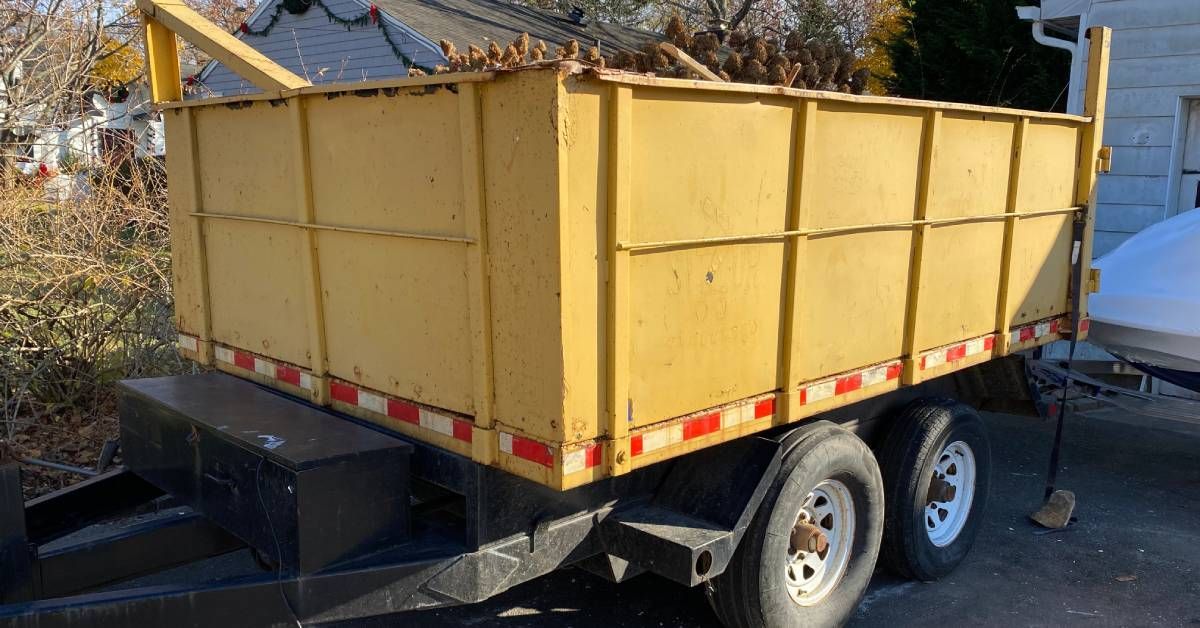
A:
{"x":305,"y":225}
{"x":778,"y":235}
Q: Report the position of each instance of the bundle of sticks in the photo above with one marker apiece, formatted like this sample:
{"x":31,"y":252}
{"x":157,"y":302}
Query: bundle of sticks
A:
{"x":741,"y":58}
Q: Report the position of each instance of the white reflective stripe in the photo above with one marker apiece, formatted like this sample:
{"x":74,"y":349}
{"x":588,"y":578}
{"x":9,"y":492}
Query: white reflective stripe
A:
{"x":306,"y":381}
{"x":734,"y":416}
{"x":1016,"y":337}
{"x":661,"y":438}
{"x":974,"y":346}
{"x":189,"y":343}
{"x":224,"y":355}
{"x":937,"y":358}
{"x":877,"y":375}
{"x":574,"y":461}
{"x":819,"y":392}
{"x":1041,"y":329}
{"x":262,"y":367}
{"x":440,"y":424}
{"x":372,"y":402}
{"x":506,"y":442}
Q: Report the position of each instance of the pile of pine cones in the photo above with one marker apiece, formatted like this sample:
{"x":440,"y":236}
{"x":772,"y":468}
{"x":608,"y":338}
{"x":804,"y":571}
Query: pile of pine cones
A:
{"x":743,"y":59}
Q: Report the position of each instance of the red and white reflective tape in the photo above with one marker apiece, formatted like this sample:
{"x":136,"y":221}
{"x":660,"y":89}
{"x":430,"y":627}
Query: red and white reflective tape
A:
{"x":190,"y":343}
{"x":458,"y":429}
{"x":1044,"y":328}
{"x":850,"y":382}
{"x":701,"y":425}
{"x":956,"y":352}
{"x":267,"y":368}
{"x":573,"y":461}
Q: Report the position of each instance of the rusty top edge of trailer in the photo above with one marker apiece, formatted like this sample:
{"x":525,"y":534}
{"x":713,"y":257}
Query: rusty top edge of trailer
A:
{"x":628,"y":78}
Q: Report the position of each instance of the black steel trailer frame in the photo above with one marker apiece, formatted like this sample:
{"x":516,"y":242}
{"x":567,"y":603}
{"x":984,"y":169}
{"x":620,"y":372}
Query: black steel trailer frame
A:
{"x":472,"y":531}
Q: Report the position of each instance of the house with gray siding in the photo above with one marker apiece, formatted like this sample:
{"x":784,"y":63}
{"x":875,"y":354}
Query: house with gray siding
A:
{"x":356,"y":40}
{"x":1153,"y":106}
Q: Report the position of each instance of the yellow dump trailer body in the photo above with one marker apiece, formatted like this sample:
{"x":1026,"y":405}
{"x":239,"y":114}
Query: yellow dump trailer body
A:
{"x":571,"y":273}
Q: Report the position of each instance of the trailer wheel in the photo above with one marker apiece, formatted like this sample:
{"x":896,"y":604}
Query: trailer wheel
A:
{"x":936,"y":468}
{"x":809,"y":553}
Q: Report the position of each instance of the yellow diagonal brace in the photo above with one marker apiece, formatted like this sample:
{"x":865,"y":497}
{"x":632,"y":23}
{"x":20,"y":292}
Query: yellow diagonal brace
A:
{"x":225,"y":48}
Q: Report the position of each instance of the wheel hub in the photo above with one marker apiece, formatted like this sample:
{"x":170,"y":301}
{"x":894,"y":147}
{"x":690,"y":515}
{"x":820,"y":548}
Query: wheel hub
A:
{"x":820,"y":544}
{"x":951,"y":492}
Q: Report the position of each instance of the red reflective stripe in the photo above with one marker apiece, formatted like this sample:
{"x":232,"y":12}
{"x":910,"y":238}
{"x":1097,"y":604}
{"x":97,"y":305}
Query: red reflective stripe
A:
{"x":287,"y":374}
{"x":592,"y":456}
{"x":803,"y":396}
{"x":243,"y":360}
{"x":848,"y":384}
{"x":1054,"y":326}
{"x":532,"y":451}
{"x":343,"y":393}
{"x":462,"y":431}
{"x":1085,"y":324}
{"x":403,"y":411}
{"x":893,"y":371}
{"x":989,"y":343}
{"x":1026,"y":334}
{"x":956,"y":352}
{"x":702,"y":425}
{"x":766,"y":407}
{"x":635,"y":445}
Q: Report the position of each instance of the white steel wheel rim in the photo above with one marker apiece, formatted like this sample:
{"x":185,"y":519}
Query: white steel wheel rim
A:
{"x":811,"y":576}
{"x":947,"y":510}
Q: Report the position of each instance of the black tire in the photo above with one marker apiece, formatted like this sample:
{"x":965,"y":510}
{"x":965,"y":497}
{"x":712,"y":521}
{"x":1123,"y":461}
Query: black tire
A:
{"x":752,"y":591}
{"x":913,"y":447}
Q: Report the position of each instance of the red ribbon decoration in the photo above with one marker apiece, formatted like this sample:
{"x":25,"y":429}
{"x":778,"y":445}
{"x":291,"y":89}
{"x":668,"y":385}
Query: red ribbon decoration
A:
{"x":374,"y":14}
{"x":244,"y":28}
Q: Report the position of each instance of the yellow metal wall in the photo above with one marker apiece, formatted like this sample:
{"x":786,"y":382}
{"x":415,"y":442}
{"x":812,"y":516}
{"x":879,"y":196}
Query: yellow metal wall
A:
{"x":498,"y":248}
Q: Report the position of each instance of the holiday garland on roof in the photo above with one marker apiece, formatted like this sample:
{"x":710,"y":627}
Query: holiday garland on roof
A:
{"x":370,"y":16}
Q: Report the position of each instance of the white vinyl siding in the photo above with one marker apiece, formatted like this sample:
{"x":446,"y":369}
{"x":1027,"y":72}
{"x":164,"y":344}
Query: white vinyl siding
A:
{"x":1155,"y":63}
{"x":323,"y":51}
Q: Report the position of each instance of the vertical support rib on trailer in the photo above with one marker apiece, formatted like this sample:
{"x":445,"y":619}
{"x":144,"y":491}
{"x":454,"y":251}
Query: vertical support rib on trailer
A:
{"x":309,"y":255}
{"x":470,"y":130}
{"x":797,"y":250}
{"x":619,"y":412}
{"x":933,"y":123}
{"x":199,"y":259}
{"x":1089,"y":152}
{"x":1003,"y":318}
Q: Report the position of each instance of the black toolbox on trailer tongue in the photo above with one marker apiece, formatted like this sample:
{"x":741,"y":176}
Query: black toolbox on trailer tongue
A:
{"x":273,"y":472}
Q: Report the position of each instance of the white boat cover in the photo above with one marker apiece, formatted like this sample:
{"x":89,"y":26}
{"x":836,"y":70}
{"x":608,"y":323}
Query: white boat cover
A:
{"x":1148,"y":307}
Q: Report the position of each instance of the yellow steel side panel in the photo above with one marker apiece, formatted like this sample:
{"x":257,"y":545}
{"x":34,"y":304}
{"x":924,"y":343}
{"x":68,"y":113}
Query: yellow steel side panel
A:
{"x":585,"y":146}
{"x":256,"y":287}
{"x":961,"y":276}
{"x":705,"y":321}
{"x":186,"y":273}
{"x":397,"y":318}
{"x":245,"y":160}
{"x":388,"y":162}
{"x":1041,"y":258}
{"x":521,"y":168}
{"x":863,"y":170}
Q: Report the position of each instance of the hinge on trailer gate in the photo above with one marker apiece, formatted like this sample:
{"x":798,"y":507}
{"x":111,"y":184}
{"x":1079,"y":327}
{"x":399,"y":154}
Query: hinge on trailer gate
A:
{"x":1104,"y":160}
{"x":1093,"y":282}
